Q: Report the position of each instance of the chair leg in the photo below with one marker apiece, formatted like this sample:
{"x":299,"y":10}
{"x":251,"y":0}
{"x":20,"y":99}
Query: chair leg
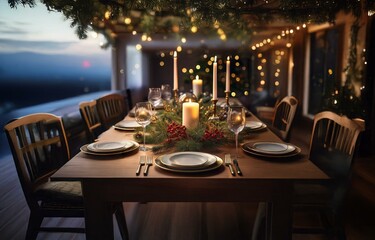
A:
{"x":121,"y":221}
{"x":35,"y":220}
{"x":259,"y":228}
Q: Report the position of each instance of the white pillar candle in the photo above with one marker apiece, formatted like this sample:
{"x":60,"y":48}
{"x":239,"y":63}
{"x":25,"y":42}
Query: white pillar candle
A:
{"x":175,"y":78}
{"x":190,"y":114}
{"x":197,"y":86}
{"x":214,"y":80}
{"x":227,"y":80}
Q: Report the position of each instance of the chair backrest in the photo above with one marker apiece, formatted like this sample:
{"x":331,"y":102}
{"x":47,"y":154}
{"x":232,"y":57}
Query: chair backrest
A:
{"x":39,"y":147}
{"x":111,"y":109}
{"x":333,"y":143}
{"x":90,"y":116}
{"x":283,"y":117}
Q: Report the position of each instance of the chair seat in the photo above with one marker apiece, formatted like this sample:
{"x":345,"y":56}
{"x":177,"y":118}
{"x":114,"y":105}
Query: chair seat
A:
{"x":58,"y":192}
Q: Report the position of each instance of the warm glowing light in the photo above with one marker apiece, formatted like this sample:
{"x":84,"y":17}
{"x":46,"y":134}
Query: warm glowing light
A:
{"x":233,"y":94}
{"x":127,"y":20}
{"x":107,"y":14}
{"x":138,"y":47}
{"x":134,"y":32}
{"x":260,"y":55}
{"x":179,"y":49}
{"x":264,"y":60}
{"x":253,"y":48}
{"x":304,"y":25}
{"x":262,"y":82}
{"x":183,"y":40}
{"x":246,"y":93}
{"x":207,"y":70}
{"x":184,"y":70}
{"x":194,"y":29}
{"x":149,"y":39}
{"x":191,"y":71}
{"x":277,"y":74}
{"x":330,"y":72}
{"x":277,"y":83}
{"x":161,"y":63}
{"x":288,"y":45}
{"x":238,"y":79}
{"x":209,"y":62}
{"x":144,"y":37}
{"x":278,"y":37}
{"x":233,"y":75}
{"x":261,"y":74}
{"x":162,"y":54}
{"x":298,"y":27}
{"x":223,"y":37}
{"x":205,"y":56}
{"x":198,"y":67}
{"x":237,"y":57}
{"x":260,"y":67}
{"x":237,"y":64}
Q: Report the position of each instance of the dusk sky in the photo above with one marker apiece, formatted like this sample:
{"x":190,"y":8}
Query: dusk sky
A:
{"x":38,"y":30}
{"x":43,"y":60}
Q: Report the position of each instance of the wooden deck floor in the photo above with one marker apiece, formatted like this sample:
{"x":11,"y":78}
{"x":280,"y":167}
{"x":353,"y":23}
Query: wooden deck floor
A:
{"x":190,"y":221}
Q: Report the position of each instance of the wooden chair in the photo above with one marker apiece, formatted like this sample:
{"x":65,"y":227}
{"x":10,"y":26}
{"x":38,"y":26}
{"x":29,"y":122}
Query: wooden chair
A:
{"x":332,"y":147}
{"x":112,"y":109}
{"x":283,"y":117}
{"x":90,"y":116}
{"x":39,"y":147}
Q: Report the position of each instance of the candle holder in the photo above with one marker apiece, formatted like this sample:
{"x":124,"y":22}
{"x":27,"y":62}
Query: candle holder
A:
{"x":176,"y":97}
{"x":214,"y":116}
{"x":227,"y":100}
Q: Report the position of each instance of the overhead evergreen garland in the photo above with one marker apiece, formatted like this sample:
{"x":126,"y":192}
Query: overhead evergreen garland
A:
{"x":235,"y":17}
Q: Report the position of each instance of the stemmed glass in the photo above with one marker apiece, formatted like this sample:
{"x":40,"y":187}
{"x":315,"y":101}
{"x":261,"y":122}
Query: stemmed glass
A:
{"x":143,"y":117}
{"x":166,"y":93}
{"x":236,"y":121}
{"x":154,"y":97}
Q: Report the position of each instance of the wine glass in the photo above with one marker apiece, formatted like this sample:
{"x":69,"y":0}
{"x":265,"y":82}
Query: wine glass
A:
{"x":166,"y":93}
{"x":143,"y":117}
{"x":236,"y":121}
{"x":154,"y":97}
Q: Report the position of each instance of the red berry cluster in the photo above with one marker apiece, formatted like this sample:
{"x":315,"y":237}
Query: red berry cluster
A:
{"x":212,"y":134}
{"x":176,"y":132}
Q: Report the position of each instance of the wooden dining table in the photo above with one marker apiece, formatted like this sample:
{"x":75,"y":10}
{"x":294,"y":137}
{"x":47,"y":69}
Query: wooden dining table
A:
{"x":109,"y":179}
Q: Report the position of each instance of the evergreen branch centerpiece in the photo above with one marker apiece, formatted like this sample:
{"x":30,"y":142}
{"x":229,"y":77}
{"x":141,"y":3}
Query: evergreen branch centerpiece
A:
{"x":167,"y":131}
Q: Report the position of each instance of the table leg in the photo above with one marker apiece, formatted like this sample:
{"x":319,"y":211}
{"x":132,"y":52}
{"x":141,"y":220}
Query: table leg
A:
{"x":282,"y":217}
{"x":98,"y":213}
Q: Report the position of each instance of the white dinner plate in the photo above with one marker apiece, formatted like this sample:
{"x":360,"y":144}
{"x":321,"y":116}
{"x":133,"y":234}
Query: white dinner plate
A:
{"x":290,"y":152}
{"x":217,"y":162}
{"x":84,"y":149}
{"x":127,"y":125}
{"x":188,"y":160}
{"x":254,"y":125}
{"x":109,"y":146}
{"x":272,"y":147}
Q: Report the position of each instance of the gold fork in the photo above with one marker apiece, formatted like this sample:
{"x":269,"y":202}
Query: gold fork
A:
{"x":148,"y":163}
{"x":228,"y":162}
{"x":142,"y":161}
